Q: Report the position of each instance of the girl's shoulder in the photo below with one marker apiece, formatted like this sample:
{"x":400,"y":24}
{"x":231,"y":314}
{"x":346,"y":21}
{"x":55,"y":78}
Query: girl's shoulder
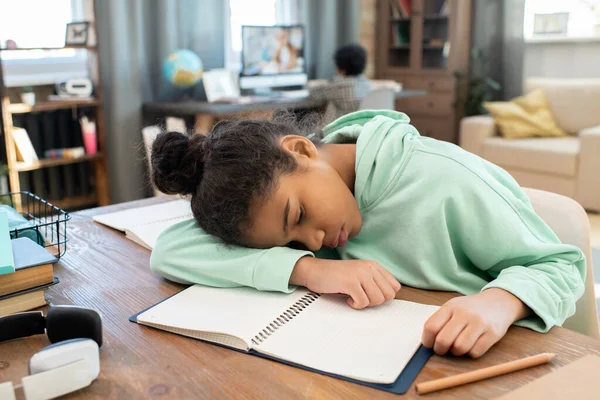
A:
{"x":364,"y":117}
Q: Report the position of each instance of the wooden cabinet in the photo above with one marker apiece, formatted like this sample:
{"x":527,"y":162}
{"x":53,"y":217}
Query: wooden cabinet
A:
{"x":423,"y":44}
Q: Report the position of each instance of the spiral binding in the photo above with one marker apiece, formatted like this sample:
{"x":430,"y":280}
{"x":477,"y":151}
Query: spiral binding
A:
{"x":285,"y":317}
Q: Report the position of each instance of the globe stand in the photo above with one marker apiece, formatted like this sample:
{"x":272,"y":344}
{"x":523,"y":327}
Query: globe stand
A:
{"x":187,"y":94}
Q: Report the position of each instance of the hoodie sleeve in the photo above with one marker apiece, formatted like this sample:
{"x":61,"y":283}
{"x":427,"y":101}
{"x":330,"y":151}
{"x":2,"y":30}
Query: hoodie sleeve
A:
{"x":184,"y":253}
{"x":502,"y":235}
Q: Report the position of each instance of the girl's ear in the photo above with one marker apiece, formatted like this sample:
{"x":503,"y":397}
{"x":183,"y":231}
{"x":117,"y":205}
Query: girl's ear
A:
{"x":299,"y":147}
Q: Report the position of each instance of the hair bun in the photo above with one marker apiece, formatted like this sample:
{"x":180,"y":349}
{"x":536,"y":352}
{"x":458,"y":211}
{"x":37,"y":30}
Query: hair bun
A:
{"x":178,"y":162}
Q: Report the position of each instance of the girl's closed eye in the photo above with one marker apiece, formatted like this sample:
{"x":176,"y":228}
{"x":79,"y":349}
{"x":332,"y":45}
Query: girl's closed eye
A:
{"x":301,"y":216}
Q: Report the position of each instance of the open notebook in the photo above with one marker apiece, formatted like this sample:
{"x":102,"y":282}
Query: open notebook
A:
{"x":317,"y":332}
{"x":143,"y":225}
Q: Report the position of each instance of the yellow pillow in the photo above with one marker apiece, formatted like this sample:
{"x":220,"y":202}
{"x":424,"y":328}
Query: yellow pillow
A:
{"x":525,"y":116}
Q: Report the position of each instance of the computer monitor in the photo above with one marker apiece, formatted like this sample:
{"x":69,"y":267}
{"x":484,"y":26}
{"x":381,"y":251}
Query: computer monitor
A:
{"x":272,"y":57}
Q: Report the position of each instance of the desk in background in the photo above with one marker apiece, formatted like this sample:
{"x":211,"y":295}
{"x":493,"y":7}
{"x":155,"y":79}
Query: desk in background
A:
{"x":105,"y":271}
{"x":205,"y":114}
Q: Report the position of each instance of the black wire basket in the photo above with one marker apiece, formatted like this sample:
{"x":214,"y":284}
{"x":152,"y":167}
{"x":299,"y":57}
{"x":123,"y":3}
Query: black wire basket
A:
{"x":46,"y":223}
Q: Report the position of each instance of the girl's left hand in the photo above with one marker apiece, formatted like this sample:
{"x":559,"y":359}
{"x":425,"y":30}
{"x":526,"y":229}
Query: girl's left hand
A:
{"x":472,"y":324}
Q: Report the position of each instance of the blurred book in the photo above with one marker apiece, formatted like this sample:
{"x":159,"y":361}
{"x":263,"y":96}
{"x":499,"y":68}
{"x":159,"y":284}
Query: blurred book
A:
{"x":75,"y":152}
{"x":24,"y":147}
{"x":406,"y":7}
{"x":33,"y":267}
{"x":25,"y":300}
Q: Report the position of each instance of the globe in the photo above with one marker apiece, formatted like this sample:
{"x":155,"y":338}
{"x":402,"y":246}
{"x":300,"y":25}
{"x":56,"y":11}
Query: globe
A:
{"x":183,"y":68}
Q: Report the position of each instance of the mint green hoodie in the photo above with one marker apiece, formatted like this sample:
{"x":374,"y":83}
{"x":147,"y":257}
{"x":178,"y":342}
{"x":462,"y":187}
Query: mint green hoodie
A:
{"x":434,"y":215}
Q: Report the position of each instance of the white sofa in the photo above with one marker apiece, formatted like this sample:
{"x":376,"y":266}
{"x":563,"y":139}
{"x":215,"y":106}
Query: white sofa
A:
{"x":569,"y":166}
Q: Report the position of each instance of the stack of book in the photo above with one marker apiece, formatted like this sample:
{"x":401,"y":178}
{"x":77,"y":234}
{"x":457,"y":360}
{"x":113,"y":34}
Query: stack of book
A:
{"x":26,"y":270}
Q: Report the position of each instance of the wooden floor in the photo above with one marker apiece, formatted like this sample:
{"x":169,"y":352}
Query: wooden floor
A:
{"x":595,"y":228}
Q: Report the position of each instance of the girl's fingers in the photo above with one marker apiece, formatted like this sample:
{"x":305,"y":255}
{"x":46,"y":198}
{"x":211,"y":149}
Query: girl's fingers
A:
{"x":434,"y":324}
{"x":448,"y":335}
{"x":373,"y":291}
{"x":385,"y":286}
{"x":390,"y":278}
{"x":482,"y":345}
{"x":466,"y":340}
{"x":358,"y":298}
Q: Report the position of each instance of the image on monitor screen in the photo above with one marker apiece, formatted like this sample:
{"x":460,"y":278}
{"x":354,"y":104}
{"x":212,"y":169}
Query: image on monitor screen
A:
{"x":272,"y":50}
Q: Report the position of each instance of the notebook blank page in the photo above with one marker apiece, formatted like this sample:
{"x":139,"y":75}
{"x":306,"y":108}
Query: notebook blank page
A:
{"x":146,"y":235}
{"x":128,"y":219}
{"x":239,"y":312}
{"x":372,"y":345}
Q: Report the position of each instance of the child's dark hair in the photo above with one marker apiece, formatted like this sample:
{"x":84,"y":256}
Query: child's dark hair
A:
{"x":236,"y":164}
{"x":351,"y":58}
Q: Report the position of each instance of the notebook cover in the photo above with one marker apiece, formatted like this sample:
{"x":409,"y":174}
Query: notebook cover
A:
{"x":33,"y":289}
{"x":400,"y":386}
{"x":27,"y":253}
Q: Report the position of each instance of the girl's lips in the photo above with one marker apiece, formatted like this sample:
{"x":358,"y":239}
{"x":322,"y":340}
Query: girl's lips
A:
{"x":339,"y":241}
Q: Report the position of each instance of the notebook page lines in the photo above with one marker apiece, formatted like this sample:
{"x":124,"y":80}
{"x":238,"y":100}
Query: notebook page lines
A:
{"x":127,"y":219}
{"x":373,"y":344}
{"x":148,"y":233}
{"x":241,"y":312}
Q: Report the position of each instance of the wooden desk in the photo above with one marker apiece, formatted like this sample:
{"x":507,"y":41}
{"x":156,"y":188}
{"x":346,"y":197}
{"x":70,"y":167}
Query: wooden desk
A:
{"x":206,"y":114}
{"x":105,"y":271}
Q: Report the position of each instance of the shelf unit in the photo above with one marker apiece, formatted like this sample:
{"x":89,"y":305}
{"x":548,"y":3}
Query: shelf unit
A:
{"x":50,"y":48}
{"x":55,"y":162}
{"x":20,"y":108}
{"x":423,"y":49}
{"x":100,"y":195}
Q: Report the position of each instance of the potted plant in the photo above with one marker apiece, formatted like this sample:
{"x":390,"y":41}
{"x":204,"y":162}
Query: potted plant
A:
{"x":477,"y":86}
{"x":28,"y":95}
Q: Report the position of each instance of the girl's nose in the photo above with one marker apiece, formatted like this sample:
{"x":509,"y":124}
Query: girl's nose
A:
{"x":314,"y":240}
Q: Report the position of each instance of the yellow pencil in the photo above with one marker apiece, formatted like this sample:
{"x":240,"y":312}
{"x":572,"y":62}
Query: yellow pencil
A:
{"x":489,"y":372}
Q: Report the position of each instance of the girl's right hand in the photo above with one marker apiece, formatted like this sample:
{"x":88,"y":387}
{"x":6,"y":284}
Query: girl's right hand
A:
{"x":366,"y":282}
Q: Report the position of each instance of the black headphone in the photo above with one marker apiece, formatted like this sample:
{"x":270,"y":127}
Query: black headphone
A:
{"x":70,"y":363}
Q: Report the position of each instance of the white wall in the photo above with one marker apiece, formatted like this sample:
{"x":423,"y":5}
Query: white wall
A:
{"x":568,"y":59}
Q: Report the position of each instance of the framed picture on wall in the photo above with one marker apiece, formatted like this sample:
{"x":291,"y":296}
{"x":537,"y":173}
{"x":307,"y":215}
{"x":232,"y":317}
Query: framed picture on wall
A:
{"x":555,"y":23}
{"x":77,"y":33}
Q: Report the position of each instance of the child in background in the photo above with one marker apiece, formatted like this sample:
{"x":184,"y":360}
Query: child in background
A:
{"x":349,"y":85}
{"x":393,"y":205}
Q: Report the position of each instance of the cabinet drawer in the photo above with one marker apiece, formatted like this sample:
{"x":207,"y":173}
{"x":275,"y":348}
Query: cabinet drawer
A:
{"x":437,"y":128}
{"x":431,"y":85}
{"x":431,"y":104}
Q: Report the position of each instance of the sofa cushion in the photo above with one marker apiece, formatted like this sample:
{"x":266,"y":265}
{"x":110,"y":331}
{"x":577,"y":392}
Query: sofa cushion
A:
{"x":524,"y":116}
{"x":574,"y":102}
{"x":546,"y":155}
